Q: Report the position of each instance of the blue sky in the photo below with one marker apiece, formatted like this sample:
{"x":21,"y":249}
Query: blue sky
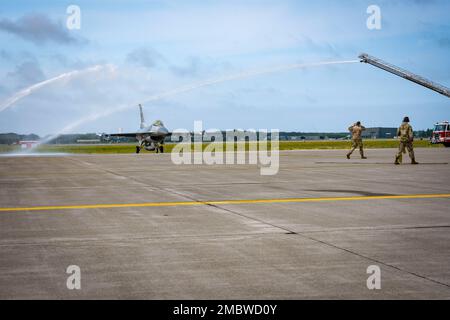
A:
{"x":157,"y":46}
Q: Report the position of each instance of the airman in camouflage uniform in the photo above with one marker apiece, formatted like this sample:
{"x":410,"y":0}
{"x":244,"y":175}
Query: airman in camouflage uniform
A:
{"x":405,"y":132}
{"x":356,"y":131}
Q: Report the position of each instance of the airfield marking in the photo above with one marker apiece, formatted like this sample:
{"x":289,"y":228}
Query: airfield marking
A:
{"x":223,"y":202}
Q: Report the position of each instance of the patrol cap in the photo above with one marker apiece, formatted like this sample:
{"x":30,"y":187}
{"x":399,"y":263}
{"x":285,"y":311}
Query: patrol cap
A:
{"x":405,"y":119}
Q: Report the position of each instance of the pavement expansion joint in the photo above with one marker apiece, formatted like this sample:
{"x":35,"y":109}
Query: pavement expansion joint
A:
{"x":374,"y":260}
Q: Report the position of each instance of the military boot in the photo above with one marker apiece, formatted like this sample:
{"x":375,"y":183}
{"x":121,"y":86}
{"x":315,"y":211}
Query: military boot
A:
{"x":413,"y":161}
{"x":397,"y":160}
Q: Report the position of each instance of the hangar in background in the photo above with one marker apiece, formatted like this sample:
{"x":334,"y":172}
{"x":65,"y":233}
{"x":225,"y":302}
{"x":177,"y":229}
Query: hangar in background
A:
{"x":379,"y":133}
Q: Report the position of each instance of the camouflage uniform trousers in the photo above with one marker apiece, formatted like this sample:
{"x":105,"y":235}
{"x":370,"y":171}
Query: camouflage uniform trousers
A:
{"x":405,"y":145}
{"x":357,"y":143}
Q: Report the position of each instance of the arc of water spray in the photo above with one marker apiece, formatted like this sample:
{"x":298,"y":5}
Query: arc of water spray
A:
{"x":67,"y":75}
{"x":241,"y":75}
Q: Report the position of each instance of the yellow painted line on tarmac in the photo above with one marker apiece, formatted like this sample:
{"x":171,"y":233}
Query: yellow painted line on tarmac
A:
{"x":225,"y":202}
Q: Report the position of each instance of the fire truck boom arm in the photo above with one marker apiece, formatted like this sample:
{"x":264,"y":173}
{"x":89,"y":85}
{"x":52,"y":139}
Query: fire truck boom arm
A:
{"x":405,"y":74}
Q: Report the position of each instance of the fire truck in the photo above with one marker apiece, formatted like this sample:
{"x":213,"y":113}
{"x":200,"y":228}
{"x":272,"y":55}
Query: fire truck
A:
{"x":441,"y":133}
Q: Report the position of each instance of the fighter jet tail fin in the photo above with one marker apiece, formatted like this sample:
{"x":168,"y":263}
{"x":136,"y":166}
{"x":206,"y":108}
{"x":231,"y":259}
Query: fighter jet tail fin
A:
{"x":142,"y":117}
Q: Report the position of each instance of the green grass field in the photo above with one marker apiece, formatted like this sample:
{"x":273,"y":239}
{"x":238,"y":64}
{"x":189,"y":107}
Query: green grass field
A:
{"x":283,"y":145}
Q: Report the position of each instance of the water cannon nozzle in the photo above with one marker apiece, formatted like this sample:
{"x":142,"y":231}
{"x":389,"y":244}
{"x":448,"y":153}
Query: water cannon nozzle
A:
{"x":363,"y":57}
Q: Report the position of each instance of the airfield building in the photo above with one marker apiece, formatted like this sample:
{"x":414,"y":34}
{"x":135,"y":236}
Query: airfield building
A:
{"x":379,"y":133}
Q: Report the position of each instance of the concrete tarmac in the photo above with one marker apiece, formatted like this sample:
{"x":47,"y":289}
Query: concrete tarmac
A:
{"x":319,"y":249}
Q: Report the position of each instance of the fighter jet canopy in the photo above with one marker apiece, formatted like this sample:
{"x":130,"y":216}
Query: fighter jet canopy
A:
{"x":158,"y":123}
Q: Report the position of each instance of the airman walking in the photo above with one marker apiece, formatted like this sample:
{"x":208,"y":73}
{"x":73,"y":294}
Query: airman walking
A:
{"x":406,"y":134}
{"x":356,"y":130}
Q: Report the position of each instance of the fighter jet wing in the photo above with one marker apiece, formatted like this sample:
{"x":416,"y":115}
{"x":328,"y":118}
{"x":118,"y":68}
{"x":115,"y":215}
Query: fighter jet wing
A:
{"x":123,"y":134}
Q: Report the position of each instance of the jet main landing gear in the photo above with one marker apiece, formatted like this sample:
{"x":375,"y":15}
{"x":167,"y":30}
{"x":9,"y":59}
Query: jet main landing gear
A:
{"x":157,"y":148}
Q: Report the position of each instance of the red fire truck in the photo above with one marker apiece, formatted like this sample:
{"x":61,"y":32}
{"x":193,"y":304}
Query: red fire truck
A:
{"x":441,"y":133}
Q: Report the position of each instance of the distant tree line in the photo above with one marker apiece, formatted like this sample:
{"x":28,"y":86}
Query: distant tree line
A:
{"x":73,"y":138}
{"x":88,"y":137}
{"x":13,"y":138}
{"x":423,"y":133}
{"x":305,"y":135}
